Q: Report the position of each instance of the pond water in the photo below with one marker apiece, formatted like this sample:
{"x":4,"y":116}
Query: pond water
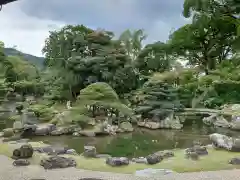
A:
{"x":139,"y":143}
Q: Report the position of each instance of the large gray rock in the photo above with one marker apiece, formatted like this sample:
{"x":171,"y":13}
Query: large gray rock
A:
{"x":117,"y":161}
{"x":44,"y":129}
{"x":225,"y":142}
{"x":90,"y":151}
{"x":55,"y":162}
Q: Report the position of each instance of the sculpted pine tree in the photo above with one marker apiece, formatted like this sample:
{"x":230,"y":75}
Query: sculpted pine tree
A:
{"x":99,"y":99}
{"x":159,"y":100}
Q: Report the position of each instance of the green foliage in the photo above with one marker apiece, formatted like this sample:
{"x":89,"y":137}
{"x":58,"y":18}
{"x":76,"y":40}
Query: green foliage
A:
{"x":101,"y":94}
{"x":42,"y":111}
{"x":132,"y":42}
{"x":206,"y":42}
{"x":159,"y":100}
{"x":84,"y":56}
{"x":37,"y":61}
{"x":154,"y":58}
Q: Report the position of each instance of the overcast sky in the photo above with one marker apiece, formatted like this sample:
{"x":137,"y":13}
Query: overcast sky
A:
{"x":26,"y":23}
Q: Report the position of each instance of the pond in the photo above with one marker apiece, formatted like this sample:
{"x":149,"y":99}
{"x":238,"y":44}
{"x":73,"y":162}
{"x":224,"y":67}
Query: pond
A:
{"x":139,"y":143}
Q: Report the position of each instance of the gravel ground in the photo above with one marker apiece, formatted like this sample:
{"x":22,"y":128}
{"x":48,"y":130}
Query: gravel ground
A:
{"x":9,"y":172}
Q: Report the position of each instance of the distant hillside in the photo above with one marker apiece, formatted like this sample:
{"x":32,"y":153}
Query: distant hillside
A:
{"x":38,"y":61}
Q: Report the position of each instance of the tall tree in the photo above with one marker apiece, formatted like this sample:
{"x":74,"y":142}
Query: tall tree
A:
{"x":132,"y":42}
{"x":85,"y":56}
{"x":226,"y":9}
{"x":207,"y":41}
{"x":154,"y":58}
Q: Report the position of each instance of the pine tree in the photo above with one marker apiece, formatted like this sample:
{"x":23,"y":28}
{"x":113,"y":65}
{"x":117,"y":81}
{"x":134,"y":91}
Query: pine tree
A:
{"x":159,"y":100}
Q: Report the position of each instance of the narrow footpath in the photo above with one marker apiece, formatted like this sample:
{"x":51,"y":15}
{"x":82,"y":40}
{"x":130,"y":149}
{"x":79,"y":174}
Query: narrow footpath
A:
{"x":9,"y":172}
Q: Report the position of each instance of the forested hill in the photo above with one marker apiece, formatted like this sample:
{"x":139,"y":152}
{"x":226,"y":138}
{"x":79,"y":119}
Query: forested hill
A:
{"x":38,"y":61}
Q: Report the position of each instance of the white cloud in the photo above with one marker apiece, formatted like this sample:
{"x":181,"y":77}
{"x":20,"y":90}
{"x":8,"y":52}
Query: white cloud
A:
{"x":26,"y":32}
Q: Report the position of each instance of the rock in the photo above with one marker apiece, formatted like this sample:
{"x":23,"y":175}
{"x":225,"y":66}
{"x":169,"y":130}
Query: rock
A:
{"x":142,"y":160}
{"x":65,"y":130}
{"x":235,"y":161}
{"x":235,"y":125}
{"x":71,"y":151}
{"x":76,"y":134}
{"x":192,"y":155}
{"x":154,"y":158}
{"x":171,"y":122}
{"x":217,"y":121}
{"x":52,"y":150}
{"x":28,"y":131}
{"x":225,"y":142}
{"x":221,"y":141}
{"x":55,"y":162}
{"x":153,"y":172}
{"x":200,"y":150}
{"x":165,"y":153}
{"x":117,"y":161}
{"x":221,"y":122}
{"x":106,"y":128}
{"x":44,"y":129}
{"x":21,"y":162}
{"x":90,"y":151}
{"x":126,"y":126}
{"x":24,"y":152}
{"x":149,"y":124}
{"x":8,"y":132}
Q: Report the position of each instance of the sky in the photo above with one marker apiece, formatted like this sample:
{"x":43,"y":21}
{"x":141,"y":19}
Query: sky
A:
{"x":26,"y":23}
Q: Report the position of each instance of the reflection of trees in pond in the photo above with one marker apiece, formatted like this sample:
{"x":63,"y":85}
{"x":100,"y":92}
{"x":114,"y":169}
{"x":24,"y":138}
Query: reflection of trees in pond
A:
{"x":138,"y":144}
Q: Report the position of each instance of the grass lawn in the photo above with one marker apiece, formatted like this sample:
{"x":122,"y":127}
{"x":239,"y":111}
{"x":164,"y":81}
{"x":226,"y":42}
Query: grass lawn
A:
{"x":216,"y":160}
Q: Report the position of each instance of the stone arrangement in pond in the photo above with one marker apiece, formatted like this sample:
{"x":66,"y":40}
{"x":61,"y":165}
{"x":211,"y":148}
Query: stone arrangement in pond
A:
{"x":55,"y":160}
